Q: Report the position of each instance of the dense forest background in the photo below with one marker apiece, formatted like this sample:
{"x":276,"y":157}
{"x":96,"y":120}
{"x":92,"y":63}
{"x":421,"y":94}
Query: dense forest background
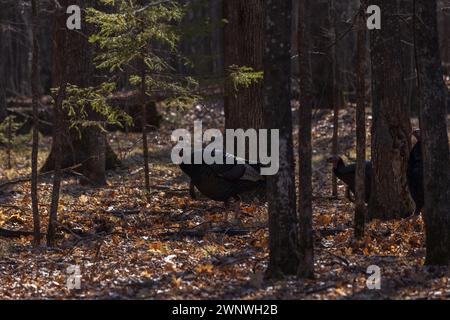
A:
{"x":204,"y":45}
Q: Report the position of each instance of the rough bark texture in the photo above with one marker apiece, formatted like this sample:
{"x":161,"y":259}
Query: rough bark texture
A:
{"x":391,"y":126}
{"x":91,"y":148}
{"x":360,"y":205}
{"x":335,"y":89}
{"x":35,"y":83}
{"x":444,"y":31}
{"x":3,"y":112}
{"x":306,"y":240}
{"x":244,"y":46}
{"x":281,"y":198}
{"x":144,"y":129}
{"x":57,"y":146}
{"x":435,"y":148}
{"x":216,"y":41}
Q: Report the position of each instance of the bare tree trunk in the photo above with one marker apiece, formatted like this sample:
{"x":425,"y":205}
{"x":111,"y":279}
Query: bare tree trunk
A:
{"x":57,"y":145}
{"x":306,"y":240}
{"x":3,"y":109}
{"x":283,"y":228}
{"x":144,"y":130}
{"x":444,"y":30}
{"x":35,"y":82}
{"x":244,"y":46}
{"x":91,"y":149}
{"x":391,"y":127}
{"x":9,"y":146}
{"x":360,"y":190}
{"x":335,"y":89}
{"x":216,"y":13}
{"x":434,"y":136}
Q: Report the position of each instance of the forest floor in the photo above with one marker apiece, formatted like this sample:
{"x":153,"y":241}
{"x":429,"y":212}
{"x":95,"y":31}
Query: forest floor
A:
{"x":173,"y":247}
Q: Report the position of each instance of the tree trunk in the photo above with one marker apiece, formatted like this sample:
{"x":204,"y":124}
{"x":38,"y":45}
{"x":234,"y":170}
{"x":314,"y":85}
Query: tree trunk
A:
{"x":144,"y":129}
{"x":91,"y":149}
{"x":283,"y":233}
{"x":9,"y":145}
{"x":306,"y":240}
{"x":335,"y":90}
{"x":321,"y":64}
{"x":434,"y":136}
{"x":58,"y":129}
{"x":75,"y":152}
{"x":391,"y":127}
{"x":244,"y":46}
{"x":35,"y":83}
{"x":3,"y":110}
{"x":216,"y":14}
{"x":444,"y":31}
{"x":360,"y":177}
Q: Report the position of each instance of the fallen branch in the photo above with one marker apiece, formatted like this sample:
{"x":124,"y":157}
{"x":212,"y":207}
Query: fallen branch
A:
{"x":320,"y":289}
{"x":123,"y":213}
{"x":15,"y":233}
{"x":68,"y":230}
{"x":201,"y":232}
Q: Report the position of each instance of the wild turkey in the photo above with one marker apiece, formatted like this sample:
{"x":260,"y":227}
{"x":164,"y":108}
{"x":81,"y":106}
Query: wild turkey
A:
{"x":415,"y":173}
{"x":346,"y":173}
{"x":223,"y":182}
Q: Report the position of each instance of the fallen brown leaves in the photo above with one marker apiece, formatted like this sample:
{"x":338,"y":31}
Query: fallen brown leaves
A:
{"x":175,"y":248}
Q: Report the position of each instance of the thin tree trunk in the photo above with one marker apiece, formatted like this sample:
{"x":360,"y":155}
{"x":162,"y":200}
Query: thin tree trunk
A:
{"x":9,"y":146}
{"x":216,"y":13}
{"x":283,"y":228}
{"x":3,"y":108}
{"x":360,"y":205}
{"x":35,"y":102}
{"x":306,"y":240}
{"x":57,"y":145}
{"x":335,"y":89}
{"x":144,"y":130}
{"x":434,"y":136}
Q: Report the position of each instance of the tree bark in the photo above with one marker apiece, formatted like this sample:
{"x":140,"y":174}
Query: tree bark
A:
{"x":434,"y":136}
{"x":3,"y":111}
{"x":35,"y":83}
{"x":91,"y":149}
{"x":144,"y":129}
{"x":360,"y":205}
{"x":58,"y":131}
{"x":391,"y":127}
{"x":335,"y":90}
{"x":283,"y":233}
{"x":216,"y":41}
{"x":244,"y":46}
{"x":306,"y":240}
{"x":58,"y":119}
{"x":57,"y":144}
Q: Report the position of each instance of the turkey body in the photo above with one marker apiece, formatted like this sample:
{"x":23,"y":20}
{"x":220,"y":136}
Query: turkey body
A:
{"x":347,"y":173}
{"x":221,"y":182}
{"x":415,"y":176}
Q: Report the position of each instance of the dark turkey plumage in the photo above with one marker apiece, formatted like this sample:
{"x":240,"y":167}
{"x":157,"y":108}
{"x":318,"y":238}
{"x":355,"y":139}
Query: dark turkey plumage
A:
{"x":415,"y":174}
{"x":347,"y":173}
{"x":221,"y":182}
